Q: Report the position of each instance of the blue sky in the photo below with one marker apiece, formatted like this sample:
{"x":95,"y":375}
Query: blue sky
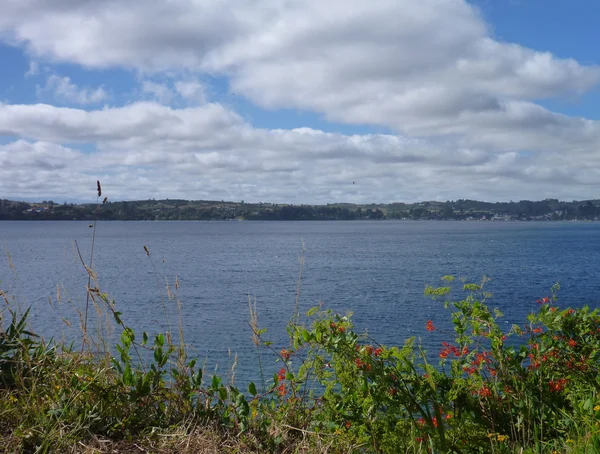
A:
{"x":292,"y":102}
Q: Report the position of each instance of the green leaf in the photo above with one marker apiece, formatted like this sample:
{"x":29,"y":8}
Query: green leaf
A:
{"x":252,"y":388}
{"x":305,"y":335}
{"x":312,"y":311}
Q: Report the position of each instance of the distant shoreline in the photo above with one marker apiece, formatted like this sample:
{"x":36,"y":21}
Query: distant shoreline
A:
{"x":202,"y":210}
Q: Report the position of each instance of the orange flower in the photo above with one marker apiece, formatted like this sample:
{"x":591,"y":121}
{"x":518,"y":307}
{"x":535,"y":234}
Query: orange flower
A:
{"x":285,"y":354}
{"x":281,"y":374}
{"x":484,"y":391}
{"x":429,"y":326}
{"x":572,"y":343}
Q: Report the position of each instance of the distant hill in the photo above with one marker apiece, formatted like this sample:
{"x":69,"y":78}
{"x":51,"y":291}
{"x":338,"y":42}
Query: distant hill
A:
{"x":177,"y":209}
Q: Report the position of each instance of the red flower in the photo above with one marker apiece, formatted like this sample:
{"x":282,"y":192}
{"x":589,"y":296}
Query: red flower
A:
{"x":434,"y":421}
{"x":281,"y":390}
{"x":503,"y":338}
{"x":543,"y":300}
{"x":571,"y":311}
{"x":285,"y":354}
{"x":484,"y":392}
{"x":537,"y":330}
{"x":558,"y":385}
{"x":341,"y":329}
{"x":572,"y":343}
{"x":348,"y":424}
{"x":281,"y":374}
{"x":448,"y":416}
{"x":332,"y":325}
{"x":378,"y":351}
{"x":430,"y":326}
{"x":421,"y":422}
{"x":369,"y":350}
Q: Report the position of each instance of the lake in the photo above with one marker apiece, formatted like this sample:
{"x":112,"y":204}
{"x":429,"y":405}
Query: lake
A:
{"x":376,"y":269}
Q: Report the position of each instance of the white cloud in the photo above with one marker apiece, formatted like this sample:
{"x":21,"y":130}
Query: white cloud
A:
{"x":151,"y":150}
{"x":34,"y":69}
{"x":191,"y":90}
{"x":160,"y":92}
{"x":464,"y":104}
{"x":61,"y":88}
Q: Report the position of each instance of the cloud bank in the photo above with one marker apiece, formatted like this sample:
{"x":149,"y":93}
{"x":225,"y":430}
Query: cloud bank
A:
{"x":463,"y":108}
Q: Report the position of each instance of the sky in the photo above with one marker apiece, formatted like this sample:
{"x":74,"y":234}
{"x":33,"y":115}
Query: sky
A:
{"x":300,"y":101}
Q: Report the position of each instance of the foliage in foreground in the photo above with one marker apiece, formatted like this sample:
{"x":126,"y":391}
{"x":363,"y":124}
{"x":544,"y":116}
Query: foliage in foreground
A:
{"x":532,"y":388}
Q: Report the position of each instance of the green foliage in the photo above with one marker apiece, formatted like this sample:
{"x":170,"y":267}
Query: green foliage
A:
{"x":531,"y":388}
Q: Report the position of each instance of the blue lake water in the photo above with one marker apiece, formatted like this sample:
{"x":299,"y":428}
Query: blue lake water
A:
{"x":377,"y":270}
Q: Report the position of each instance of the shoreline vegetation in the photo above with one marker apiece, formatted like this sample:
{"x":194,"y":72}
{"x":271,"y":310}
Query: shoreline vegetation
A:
{"x":175,"y":209}
{"x":530,"y":388}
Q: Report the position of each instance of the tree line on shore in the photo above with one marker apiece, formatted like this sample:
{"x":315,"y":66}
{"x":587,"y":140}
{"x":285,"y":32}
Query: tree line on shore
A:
{"x":177,"y":209}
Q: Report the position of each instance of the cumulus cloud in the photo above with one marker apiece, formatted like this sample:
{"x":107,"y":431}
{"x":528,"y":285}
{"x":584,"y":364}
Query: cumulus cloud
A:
{"x":191,"y":90}
{"x":464,"y":106}
{"x":160,"y":92}
{"x":148,"y":149}
{"x":61,"y":88}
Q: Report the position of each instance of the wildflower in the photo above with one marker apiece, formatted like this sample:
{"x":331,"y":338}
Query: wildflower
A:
{"x":281,"y":374}
{"x":501,"y":438}
{"x":369,"y":350}
{"x":348,"y":424}
{"x":537,"y":330}
{"x":447,"y":416}
{"x":332,"y":325}
{"x":378,"y":351}
{"x":281,"y":390}
{"x":572,"y":343}
{"x":484,"y":391}
{"x":544,"y":300}
{"x":341,"y":329}
{"x":558,"y":385}
{"x":421,"y":421}
{"x":285,"y":354}
{"x":429,"y":326}
{"x":570,"y":311}
{"x":419,"y":439}
{"x":434,"y":421}
{"x":597,"y":407}
{"x":503,"y":338}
